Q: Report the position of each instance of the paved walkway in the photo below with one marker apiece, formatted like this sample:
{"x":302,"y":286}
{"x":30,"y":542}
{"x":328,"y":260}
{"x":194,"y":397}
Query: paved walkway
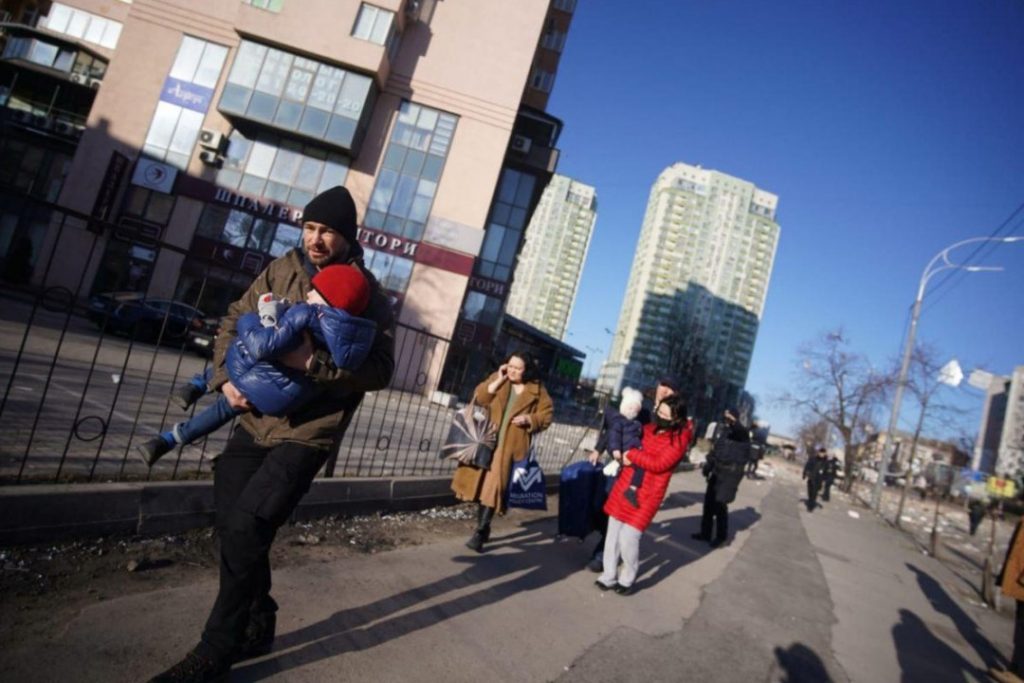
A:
{"x":797,"y":596}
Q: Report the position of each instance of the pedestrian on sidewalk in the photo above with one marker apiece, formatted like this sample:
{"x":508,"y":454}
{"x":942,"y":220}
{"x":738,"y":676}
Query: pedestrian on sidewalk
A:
{"x":520,"y":407}
{"x":815,"y":471}
{"x":1011,"y":581}
{"x":664,"y":443}
{"x":758,"y":445}
{"x":666,"y":386}
{"x":831,"y":472}
{"x":723,"y":469}
{"x":269,"y":462}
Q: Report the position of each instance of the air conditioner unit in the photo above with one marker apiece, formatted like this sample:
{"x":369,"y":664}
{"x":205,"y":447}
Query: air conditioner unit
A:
{"x":413,"y":9}
{"x":211,"y":139}
{"x":94,"y":83}
{"x":42,"y":121}
{"x":65,"y":128}
{"x":81,"y":79}
{"x":209,"y":157}
{"x":521,"y":144}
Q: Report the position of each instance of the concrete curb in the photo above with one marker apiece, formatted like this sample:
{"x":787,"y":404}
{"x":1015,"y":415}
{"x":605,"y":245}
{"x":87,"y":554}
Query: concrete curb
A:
{"x":32,"y":514}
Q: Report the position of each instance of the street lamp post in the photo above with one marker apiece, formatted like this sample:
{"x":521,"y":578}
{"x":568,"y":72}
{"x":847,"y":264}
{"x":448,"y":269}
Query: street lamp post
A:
{"x":939,"y":263}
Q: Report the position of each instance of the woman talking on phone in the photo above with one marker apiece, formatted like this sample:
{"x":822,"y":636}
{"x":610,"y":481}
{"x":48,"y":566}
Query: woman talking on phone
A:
{"x":520,"y":407}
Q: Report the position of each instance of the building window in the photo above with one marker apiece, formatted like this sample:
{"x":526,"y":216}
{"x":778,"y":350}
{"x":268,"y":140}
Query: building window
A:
{"x":37,"y":171}
{"x":480,"y":308}
{"x":410,"y":171}
{"x":81,"y":24}
{"x":247,"y":231}
{"x":271,"y":5}
{"x":542,"y":80}
{"x":393,"y":272}
{"x":505,"y":224}
{"x":281,"y":170}
{"x":174,"y":129}
{"x":373,"y":24}
{"x":148,"y":205}
{"x":553,"y":40}
{"x":296,"y":94}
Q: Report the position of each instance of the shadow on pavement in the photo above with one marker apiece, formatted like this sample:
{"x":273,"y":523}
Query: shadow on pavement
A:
{"x":968,"y":629}
{"x":924,"y":657}
{"x":667,"y":546}
{"x":801,"y":664}
{"x":535,"y":561}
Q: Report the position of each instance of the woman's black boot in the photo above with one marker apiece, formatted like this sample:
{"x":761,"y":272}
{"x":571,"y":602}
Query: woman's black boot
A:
{"x":483,"y":529}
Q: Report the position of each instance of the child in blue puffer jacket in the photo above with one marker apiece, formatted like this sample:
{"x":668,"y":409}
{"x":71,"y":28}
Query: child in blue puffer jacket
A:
{"x":339,"y":294}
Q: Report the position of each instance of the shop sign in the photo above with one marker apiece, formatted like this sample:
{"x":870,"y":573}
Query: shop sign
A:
{"x":382,"y":241}
{"x":187,"y":95}
{"x":154,"y":175}
{"x":117,"y":168}
{"x":998,"y":487}
{"x":280,"y":212}
{"x":488,"y":286}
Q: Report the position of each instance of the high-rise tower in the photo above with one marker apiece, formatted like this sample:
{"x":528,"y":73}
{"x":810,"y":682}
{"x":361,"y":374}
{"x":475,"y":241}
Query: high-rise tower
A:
{"x":547,"y":276}
{"x":698,"y":284}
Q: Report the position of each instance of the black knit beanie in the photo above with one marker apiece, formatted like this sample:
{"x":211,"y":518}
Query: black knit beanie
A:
{"x":335,"y":209}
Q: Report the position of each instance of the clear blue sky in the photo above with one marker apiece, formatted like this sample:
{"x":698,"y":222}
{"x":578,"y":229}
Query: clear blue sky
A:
{"x":889,"y":130}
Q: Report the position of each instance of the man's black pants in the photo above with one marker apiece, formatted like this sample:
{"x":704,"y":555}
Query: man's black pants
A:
{"x":714,"y":514}
{"x":813,"y":485}
{"x":255,"y":491}
{"x":825,"y":495}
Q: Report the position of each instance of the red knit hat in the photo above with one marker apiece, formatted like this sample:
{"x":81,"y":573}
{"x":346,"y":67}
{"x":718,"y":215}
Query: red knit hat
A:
{"x":344,"y":287}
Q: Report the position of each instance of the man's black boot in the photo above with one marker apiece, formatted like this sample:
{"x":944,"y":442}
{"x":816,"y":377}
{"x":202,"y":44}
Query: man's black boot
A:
{"x":259,"y":636}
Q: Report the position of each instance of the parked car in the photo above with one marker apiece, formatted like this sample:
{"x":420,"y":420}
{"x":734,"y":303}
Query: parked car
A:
{"x":200,"y":339}
{"x":130,"y":314}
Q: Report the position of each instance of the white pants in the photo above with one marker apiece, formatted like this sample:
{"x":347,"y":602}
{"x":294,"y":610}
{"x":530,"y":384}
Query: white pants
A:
{"x":621,"y":541}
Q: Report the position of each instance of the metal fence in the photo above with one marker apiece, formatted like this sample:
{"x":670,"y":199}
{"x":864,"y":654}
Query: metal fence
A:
{"x":77,"y":399}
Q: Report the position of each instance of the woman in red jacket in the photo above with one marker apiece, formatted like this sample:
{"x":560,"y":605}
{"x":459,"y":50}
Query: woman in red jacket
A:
{"x":664,"y":443}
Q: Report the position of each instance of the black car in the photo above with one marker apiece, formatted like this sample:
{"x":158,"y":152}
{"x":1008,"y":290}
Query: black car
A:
{"x":130,"y":314}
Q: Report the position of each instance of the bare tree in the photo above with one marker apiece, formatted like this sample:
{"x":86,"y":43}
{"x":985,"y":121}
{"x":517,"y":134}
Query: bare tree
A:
{"x":837,"y":386}
{"x":923,"y":384}
{"x":812,"y":434}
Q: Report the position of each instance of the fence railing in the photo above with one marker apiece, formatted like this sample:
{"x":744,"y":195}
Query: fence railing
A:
{"x":79,"y":393}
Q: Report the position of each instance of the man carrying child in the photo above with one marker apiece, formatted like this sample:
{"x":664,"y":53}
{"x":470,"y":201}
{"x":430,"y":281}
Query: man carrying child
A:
{"x":269,"y":462}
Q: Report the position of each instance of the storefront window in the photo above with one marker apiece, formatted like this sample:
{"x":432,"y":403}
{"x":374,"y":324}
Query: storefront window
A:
{"x":410,"y":171}
{"x":246,"y":231}
{"x":393,"y":272}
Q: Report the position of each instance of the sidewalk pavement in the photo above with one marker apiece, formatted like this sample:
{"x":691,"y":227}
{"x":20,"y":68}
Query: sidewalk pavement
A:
{"x":796,"y":596}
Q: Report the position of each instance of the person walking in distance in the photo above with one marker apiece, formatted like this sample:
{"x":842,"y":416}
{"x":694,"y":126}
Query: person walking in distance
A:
{"x":831,"y":472}
{"x":519,"y":408}
{"x":269,"y":462}
{"x":814,"y":472}
{"x":722,"y":481}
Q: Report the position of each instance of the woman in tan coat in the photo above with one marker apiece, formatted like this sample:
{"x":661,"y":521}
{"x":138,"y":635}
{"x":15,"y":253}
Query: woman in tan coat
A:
{"x":520,"y":407}
{"x":1012,"y":583}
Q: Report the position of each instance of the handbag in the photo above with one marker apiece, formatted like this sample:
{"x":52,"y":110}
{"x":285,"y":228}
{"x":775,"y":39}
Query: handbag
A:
{"x":527,"y":488}
{"x":471,"y":438}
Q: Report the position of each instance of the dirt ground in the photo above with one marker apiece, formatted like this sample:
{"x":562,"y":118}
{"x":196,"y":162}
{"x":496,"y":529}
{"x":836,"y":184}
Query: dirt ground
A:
{"x":43,"y":586}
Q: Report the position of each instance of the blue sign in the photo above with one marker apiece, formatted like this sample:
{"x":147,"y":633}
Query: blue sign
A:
{"x":185,"y":94}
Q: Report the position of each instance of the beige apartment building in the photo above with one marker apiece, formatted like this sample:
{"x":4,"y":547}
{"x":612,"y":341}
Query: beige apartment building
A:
{"x":200,"y":129}
{"x":547,"y":276}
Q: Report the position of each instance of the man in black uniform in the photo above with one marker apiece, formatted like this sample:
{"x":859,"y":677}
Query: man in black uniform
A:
{"x":815,"y":472}
{"x":831,"y":472}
